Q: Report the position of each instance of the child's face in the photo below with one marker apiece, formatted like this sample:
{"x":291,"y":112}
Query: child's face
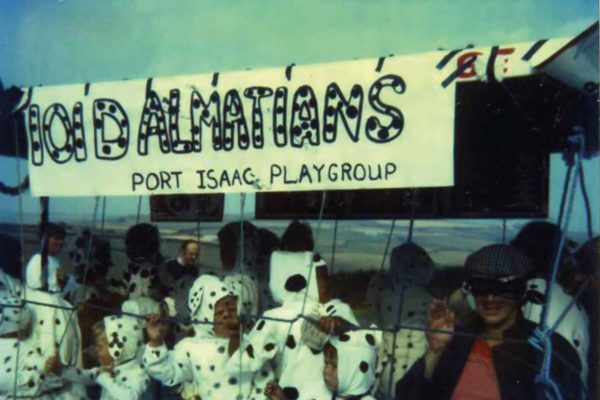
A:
{"x":330,"y":374}
{"x":226,"y":318}
{"x":102,"y":350}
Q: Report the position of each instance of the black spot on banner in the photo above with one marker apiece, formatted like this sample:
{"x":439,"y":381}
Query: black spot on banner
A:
{"x":180,"y":146}
{"x":52,"y":131}
{"x":280,"y":117}
{"x":35,"y":135}
{"x":153,"y":123}
{"x":375,"y":130}
{"x":256,"y":94}
{"x":234,"y":122}
{"x":305,"y":118}
{"x":337,"y":105}
{"x":111,"y":129}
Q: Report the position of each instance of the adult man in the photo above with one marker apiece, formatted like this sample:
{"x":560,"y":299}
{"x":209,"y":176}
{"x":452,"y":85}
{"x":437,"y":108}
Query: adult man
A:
{"x":177,"y":275}
{"x":491,"y":358}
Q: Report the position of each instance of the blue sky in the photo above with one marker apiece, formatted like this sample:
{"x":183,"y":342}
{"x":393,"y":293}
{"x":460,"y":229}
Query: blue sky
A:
{"x":67,"y":41}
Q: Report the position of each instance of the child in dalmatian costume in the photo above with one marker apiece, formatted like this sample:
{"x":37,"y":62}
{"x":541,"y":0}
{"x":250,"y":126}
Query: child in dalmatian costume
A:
{"x":120,"y":375}
{"x":54,"y":328}
{"x":349,"y":372}
{"x":201,"y":359}
{"x":398,"y":296}
{"x":299,"y":282}
{"x":23,"y":368}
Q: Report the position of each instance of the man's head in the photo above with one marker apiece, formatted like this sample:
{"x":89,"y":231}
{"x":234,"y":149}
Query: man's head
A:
{"x":496,"y":277}
{"x":189,"y":251}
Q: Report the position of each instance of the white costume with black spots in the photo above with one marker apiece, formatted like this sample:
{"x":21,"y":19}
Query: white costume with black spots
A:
{"x":357,"y":360}
{"x":33,"y":273}
{"x":201,"y":359}
{"x":574,"y":327}
{"x":299,"y":367}
{"x":54,"y":327}
{"x":128,"y":380}
{"x":22,"y":361}
{"x":398,"y":296}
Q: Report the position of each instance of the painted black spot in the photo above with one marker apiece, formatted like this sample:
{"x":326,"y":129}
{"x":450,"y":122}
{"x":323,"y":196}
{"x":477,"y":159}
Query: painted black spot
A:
{"x":330,"y":307}
{"x":269,"y":346}
{"x":221,"y":349}
{"x":291,"y":393}
{"x":344,"y":337}
{"x":250,"y":351}
{"x":232,"y":381}
{"x":57,"y":321}
{"x":212,"y":368}
{"x":291,"y":342}
{"x":315,"y":352}
{"x":295,"y":283}
{"x":370,"y":339}
{"x":364,"y":366}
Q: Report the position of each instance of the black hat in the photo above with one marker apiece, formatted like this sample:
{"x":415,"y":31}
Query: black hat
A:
{"x":498,"y":261}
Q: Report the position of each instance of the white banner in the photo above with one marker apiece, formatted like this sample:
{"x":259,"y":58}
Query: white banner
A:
{"x":380,"y":123}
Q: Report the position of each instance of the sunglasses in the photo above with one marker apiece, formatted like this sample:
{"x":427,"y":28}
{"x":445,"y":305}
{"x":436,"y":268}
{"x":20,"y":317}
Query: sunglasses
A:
{"x":483,"y":287}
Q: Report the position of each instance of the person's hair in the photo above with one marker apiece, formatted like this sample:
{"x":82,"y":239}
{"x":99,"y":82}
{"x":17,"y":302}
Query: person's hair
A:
{"x":538,"y":240}
{"x":10,"y":255}
{"x":98,"y":331}
{"x":142,"y":241}
{"x":297,"y":237}
{"x":330,"y":353}
{"x":186,"y":243}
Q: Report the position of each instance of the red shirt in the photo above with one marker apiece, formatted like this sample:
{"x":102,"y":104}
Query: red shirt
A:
{"x":478,"y":380}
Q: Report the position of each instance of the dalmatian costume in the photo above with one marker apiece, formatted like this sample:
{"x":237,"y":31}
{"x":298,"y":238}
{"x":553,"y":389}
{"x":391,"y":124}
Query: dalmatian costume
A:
{"x":575,"y":325}
{"x":202,"y":359}
{"x":357,"y":361}
{"x":298,"y":366}
{"x":399,"y":296}
{"x":128,"y":380}
{"x":54,"y":327}
{"x":22,"y":361}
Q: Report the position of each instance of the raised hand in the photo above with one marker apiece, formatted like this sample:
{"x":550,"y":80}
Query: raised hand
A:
{"x":273,"y":391}
{"x":156,"y":330}
{"x":53,"y":365}
{"x":439,"y":318}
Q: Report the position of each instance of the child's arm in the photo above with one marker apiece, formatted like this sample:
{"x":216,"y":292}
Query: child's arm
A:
{"x":261,"y":345}
{"x":79,"y":375}
{"x":169,"y":367}
{"x":123,"y":387}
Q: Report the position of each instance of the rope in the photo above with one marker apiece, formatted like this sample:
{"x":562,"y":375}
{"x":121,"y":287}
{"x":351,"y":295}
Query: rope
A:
{"x":333,"y":246}
{"x":139,"y":210}
{"x":103,"y":215}
{"x":387,"y":244}
{"x":241,"y":261}
{"x":542,"y":334}
{"x":22,"y":240}
{"x":586,"y":202}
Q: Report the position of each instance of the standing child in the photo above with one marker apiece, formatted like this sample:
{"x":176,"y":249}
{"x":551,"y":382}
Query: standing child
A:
{"x":120,"y":374}
{"x":201,"y":359}
{"x":25,"y":372}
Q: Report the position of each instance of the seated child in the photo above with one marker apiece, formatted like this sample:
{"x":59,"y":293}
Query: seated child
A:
{"x":201,"y":359}
{"x":120,"y":375}
{"x":298,"y":281}
{"x":349,"y":372}
{"x":24,"y":371}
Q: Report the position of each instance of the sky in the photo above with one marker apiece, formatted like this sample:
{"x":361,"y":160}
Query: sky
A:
{"x":66,"y":41}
